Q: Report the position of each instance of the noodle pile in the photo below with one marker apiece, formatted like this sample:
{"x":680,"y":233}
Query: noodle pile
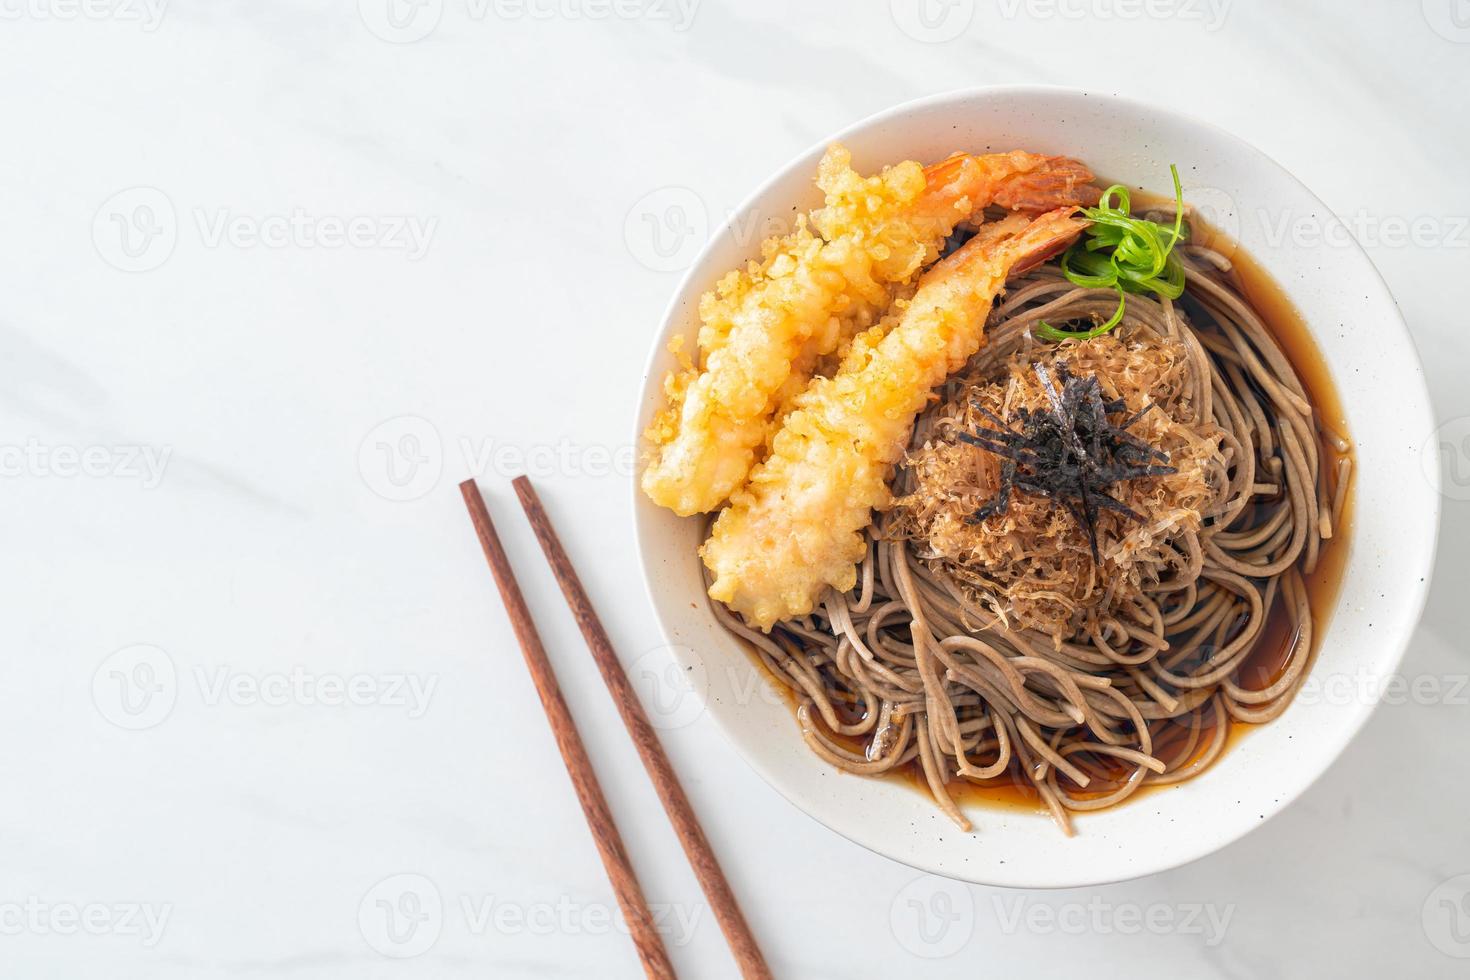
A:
{"x":997,"y":651}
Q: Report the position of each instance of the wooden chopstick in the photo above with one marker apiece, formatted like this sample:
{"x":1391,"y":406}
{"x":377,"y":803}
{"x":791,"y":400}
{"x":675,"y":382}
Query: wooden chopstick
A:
{"x":599,"y":819}
{"x":665,"y":781}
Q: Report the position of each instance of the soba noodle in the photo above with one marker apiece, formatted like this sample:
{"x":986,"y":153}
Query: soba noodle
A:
{"x":909,"y":670}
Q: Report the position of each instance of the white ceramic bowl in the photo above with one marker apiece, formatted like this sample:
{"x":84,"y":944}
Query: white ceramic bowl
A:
{"x":1371,"y":357}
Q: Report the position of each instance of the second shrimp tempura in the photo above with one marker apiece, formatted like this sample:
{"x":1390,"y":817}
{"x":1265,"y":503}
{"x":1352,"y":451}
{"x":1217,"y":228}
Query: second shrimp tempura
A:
{"x":796,"y":528}
{"x":766,"y":328}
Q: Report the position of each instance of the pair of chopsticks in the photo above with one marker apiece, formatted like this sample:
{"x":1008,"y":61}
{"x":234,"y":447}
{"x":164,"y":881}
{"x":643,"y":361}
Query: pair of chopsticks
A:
{"x":599,"y":819}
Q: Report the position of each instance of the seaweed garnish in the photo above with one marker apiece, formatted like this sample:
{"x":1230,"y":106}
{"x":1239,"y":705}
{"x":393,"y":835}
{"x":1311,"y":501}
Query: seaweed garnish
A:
{"x":1071,"y":452}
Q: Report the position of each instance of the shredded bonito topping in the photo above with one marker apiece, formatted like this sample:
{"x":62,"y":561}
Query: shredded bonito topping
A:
{"x":1033,"y":565}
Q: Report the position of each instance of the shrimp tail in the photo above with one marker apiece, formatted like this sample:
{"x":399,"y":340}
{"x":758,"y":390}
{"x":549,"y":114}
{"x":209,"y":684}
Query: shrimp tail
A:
{"x":1016,"y":181}
{"x":1058,"y":182}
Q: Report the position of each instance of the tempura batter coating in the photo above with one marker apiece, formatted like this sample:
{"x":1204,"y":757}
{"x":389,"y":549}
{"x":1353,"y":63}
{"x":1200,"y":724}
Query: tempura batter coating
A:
{"x":765,"y":328}
{"x":796,"y":527}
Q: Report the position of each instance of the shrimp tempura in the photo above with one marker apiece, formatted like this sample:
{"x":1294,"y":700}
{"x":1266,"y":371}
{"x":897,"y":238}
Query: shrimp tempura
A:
{"x":796,"y":527}
{"x":766,"y":328}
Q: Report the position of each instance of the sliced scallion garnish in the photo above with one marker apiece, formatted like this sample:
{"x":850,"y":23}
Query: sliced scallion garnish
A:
{"x":1131,"y":255}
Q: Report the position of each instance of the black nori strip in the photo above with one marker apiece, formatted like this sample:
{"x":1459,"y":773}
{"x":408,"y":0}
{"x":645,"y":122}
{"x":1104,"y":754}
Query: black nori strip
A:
{"x":1070,"y":454}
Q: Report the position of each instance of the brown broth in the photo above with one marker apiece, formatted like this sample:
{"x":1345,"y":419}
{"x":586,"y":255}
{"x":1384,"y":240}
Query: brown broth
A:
{"x":1279,"y":639}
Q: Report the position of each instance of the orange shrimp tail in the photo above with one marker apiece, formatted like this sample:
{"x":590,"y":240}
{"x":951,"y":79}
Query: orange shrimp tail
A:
{"x":1058,"y":229}
{"x":1057,"y":182}
{"x":1016,"y":181}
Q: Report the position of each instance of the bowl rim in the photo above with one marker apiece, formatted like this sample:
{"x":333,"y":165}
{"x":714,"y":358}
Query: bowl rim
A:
{"x":1418,"y":591}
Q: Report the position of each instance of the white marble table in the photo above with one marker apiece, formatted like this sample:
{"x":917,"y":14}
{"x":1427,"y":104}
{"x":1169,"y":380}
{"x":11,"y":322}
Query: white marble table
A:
{"x":278,"y":274}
